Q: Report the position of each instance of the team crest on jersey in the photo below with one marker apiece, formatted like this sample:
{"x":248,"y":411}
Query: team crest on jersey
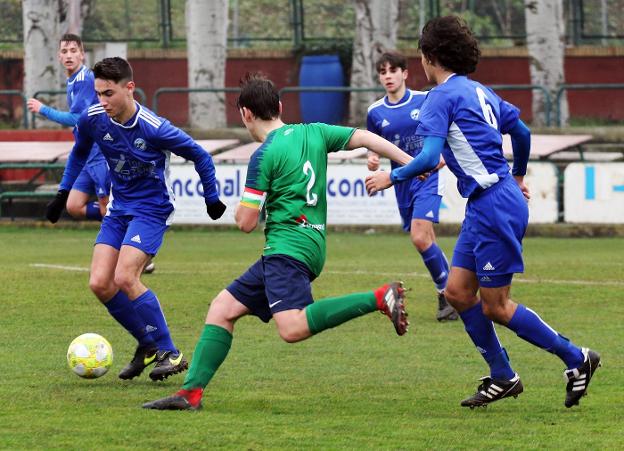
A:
{"x":139,"y":143}
{"x":414,"y":114}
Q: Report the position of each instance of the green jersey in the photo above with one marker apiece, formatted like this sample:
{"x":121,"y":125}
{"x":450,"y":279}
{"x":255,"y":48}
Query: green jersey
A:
{"x":289,"y":171}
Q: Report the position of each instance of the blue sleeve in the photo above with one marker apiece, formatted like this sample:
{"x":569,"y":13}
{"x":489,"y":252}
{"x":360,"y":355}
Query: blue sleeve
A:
{"x":79,"y":153}
{"x":436,"y":115}
{"x":521,"y":145}
{"x":61,"y":117}
{"x":426,"y":160}
{"x":84,"y":94}
{"x":175,"y":140}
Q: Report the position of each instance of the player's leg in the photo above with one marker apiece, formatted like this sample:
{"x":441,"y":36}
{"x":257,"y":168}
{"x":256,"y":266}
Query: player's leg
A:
{"x":501,"y":253}
{"x":215,"y":341}
{"x":79,"y":205}
{"x":461,"y":292}
{"x":424,"y":212}
{"x":297,"y":316}
{"x":143,"y":238}
{"x":101,"y":282}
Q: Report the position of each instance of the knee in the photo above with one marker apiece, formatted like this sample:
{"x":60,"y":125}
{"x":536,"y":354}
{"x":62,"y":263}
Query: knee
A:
{"x":124,"y":281}
{"x":422,"y":241}
{"x":291,"y":335}
{"x":74,"y":209}
{"x":495,"y":312}
{"x":101,"y":287}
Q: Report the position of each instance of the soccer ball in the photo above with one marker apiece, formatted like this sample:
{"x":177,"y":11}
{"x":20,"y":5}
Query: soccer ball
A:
{"x":90,"y":356}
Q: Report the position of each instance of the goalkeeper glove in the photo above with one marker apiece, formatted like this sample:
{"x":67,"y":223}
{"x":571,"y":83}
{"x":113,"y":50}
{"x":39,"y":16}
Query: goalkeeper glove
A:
{"x":56,"y":206}
{"x":216,"y":209}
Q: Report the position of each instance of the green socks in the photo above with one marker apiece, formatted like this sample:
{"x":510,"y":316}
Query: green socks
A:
{"x":331,"y":312}
{"x":210,"y":352}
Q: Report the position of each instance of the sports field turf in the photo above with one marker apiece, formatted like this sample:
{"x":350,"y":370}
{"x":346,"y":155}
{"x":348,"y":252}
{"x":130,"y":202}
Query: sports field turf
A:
{"x":355,"y":387}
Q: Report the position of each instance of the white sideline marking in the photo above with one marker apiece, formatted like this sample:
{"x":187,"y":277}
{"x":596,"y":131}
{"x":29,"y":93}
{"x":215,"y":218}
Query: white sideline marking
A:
{"x":63,"y":267}
{"x":613,"y":283}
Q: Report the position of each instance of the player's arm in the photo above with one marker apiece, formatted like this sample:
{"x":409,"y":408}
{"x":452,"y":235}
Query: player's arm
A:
{"x":60,"y":117}
{"x":521,"y":146}
{"x":372,"y":157}
{"x":364,"y":138}
{"x":427,"y":160}
{"x":247,"y":212}
{"x":178,"y":142}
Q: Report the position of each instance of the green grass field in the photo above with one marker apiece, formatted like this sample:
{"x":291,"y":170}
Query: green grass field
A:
{"x":358,"y":386}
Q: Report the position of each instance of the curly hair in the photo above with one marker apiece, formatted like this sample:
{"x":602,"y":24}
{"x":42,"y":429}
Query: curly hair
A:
{"x":259,"y":95}
{"x":449,"y":42}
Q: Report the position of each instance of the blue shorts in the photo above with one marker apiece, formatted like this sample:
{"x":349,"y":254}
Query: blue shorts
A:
{"x":274,"y":283}
{"x":490,"y":241}
{"x":143,"y":233}
{"x":424,"y":206}
{"x":94,"y":179}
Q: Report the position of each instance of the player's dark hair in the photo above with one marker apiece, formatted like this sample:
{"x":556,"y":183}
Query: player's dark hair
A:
{"x":393,"y":58}
{"x":70,"y":37}
{"x":114,"y":69}
{"x":259,"y":95}
{"x":449,"y":42}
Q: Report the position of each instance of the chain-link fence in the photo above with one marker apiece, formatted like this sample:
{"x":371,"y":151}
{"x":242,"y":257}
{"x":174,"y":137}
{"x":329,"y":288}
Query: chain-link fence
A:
{"x":290,"y":23}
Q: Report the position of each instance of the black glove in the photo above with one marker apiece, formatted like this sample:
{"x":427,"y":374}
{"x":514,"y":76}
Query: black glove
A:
{"x":215,"y":210}
{"x":56,"y":206}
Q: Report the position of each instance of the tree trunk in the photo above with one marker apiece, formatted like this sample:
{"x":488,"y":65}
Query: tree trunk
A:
{"x":206,"y":34}
{"x":73,"y":14}
{"x":376,"y":22}
{"x":41,"y":33}
{"x":545,"y":29}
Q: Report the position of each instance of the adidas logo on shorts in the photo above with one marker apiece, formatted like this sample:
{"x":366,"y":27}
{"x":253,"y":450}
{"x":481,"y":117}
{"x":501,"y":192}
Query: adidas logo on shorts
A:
{"x":488,"y":267}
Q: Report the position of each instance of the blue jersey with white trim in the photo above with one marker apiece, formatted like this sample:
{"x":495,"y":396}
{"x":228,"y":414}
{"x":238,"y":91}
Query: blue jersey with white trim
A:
{"x":472,"y":119}
{"x":398,"y":123}
{"x":138,"y":154}
{"x":80,"y":96}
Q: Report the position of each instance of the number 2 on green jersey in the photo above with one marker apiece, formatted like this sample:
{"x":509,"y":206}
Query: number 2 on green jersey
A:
{"x":311,"y":198}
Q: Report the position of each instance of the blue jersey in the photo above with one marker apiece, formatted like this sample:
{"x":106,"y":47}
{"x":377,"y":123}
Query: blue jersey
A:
{"x":138,"y":154}
{"x":80,"y":96}
{"x":398,"y":123}
{"x":472,"y":119}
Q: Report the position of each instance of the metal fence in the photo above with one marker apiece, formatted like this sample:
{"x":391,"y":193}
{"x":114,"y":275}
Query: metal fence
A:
{"x":291,"y":23}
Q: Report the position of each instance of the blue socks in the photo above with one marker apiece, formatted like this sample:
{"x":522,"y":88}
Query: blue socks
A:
{"x":120,"y":308}
{"x":93,"y":211}
{"x":148,"y":308}
{"x":529,"y":326}
{"x":436,"y":263}
{"x":483,"y":335}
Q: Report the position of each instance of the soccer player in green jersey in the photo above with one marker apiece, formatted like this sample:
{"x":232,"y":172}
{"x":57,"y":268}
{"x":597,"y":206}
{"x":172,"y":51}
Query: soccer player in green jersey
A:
{"x":288,"y":172}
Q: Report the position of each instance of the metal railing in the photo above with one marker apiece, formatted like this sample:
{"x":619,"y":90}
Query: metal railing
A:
{"x":171,"y":90}
{"x":15,"y":92}
{"x":138,"y":91}
{"x":578,"y":87}
{"x":545,"y":93}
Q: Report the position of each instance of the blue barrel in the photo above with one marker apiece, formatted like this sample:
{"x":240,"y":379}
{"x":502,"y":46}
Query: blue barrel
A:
{"x":328,"y":107}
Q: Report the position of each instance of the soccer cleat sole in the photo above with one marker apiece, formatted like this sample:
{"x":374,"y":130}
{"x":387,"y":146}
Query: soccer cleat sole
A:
{"x":172,"y":403}
{"x":162,"y":376}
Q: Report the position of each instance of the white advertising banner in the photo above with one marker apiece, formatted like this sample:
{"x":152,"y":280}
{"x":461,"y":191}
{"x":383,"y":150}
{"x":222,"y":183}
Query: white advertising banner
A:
{"x":347,"y":201}
{"x":594,"y":193}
